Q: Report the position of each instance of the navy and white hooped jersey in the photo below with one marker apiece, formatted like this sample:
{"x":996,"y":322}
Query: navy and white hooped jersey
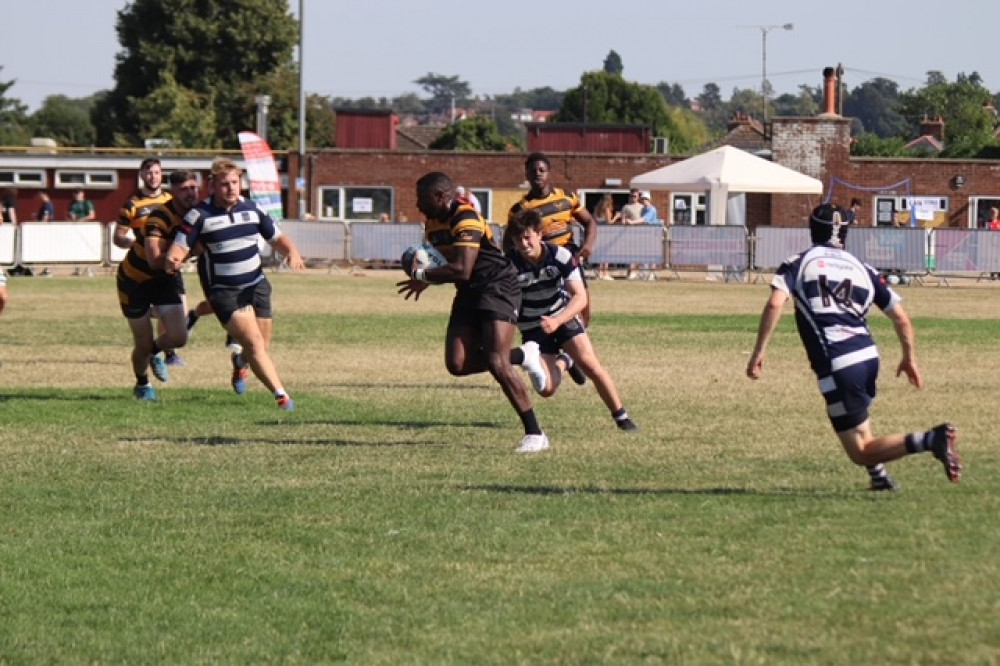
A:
{"x":833,"y":292}
{"x":230,"y":238}
{"x":543,"y":290}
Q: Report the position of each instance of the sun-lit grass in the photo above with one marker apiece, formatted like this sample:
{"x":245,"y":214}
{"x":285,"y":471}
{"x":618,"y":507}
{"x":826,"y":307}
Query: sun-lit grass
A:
{"x":387,"y":520}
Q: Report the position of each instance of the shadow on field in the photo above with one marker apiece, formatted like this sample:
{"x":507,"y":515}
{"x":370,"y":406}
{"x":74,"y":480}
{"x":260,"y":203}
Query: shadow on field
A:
{"x":593,"y":490}
{"x":61,"y":395}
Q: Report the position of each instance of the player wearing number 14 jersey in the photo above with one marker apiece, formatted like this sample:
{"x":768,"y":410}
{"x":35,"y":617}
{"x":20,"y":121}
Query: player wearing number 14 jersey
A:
{"x":833,"y":292}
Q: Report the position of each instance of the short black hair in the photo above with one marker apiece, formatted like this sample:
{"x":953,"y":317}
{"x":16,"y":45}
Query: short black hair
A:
{"x":537,"y":157}
{"x":828,"y":224}
{"x":524,"y":219}
{"x":855,"y":202}
{"x":181,"y":177}
{"x":148,"y":162}
{"x":435,"y":181}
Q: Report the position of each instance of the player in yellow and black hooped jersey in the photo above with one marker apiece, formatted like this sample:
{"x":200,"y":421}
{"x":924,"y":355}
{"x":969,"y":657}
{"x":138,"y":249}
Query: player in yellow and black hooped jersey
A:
{"x":559,"y":210}
{"x":487,"y":301}
{"x":143,"y":283}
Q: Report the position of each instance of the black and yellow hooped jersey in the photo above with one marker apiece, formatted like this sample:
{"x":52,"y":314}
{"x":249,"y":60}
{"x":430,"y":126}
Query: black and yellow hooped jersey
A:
{"x":557,"y":211}
{"x":466,"y":228}
{"x":137,"y":208}
{"x":162,"y":222}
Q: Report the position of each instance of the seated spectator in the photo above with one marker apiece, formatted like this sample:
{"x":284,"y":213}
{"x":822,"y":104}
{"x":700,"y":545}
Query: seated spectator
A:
{"x":46,"y":211}
{"x":81,"y":210}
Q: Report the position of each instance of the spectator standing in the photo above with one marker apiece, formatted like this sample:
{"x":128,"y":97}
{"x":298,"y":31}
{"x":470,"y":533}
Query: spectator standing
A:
{"x":851,"y":217}
{"x":604,"y":213}
{"x":649,"y":213}
{"x":993,"y":224}
{"x":632,"y":215}
{"x":8,"y":206}
{"x":81,"y":210}
{"x":46,"y":211}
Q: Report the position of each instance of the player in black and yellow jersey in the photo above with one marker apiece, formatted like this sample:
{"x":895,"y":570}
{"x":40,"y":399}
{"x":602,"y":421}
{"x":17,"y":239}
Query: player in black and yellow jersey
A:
{"x":559,"y":209}
{"x":134,"y":212}
{"x":484,"y":314}
{"x":143,"y":284}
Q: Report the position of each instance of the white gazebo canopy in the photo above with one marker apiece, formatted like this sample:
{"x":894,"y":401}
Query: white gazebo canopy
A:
{"x":725,"y":171}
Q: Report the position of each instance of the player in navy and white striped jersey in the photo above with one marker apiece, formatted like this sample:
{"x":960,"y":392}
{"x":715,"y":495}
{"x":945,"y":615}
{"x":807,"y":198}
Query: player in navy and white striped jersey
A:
{"x":553,"y":296}
{"x":833,"y":292}
{"x":227,"y":227}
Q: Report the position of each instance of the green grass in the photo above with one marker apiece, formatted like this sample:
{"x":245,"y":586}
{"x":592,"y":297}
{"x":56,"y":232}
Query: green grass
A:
{"x":388,"y":521}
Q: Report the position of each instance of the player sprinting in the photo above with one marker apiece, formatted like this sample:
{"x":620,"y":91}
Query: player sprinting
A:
{"x":833,"y":292}
{"x":553,"y":296}
{"x":559,"y":209}
{"x":483,"y":316}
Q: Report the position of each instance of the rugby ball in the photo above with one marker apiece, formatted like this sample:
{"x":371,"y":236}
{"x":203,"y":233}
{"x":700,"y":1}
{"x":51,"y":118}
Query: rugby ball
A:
{"x":423,"y":255}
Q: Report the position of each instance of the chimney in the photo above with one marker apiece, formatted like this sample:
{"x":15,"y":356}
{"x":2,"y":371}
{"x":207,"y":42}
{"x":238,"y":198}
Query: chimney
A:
{"x":829,"y":91}
{"x":934,"y":128}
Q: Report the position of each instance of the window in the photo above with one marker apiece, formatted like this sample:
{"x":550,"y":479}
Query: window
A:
{"x":687,"y":209}
{"x":22,"y":178}
{"x":485,"y":200}
{"x":94,"y":180}
{"x":907,"y":211}
{"x":979,"y":210}
{"x":355,"y":203}
{"x":590,"y":198}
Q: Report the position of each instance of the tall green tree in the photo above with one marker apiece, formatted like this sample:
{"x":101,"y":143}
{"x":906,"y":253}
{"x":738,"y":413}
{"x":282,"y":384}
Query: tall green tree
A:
{"x":877,"y":104}
{"x":613,"y":63}
{"x":176,"y":114}
{"x":609,"y":98}
{"x":963,"y":105}
{"x":14,"y":130}
{"x":674,"y":94}
{"x":209,"y":47}
{"x":443,"y":90}
{"x":476,"y":133}
{"x":65,"y":120}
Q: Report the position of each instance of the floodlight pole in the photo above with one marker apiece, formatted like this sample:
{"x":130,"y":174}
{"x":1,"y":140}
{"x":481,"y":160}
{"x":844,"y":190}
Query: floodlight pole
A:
{"x":301,"y":179}
{"x":764,"y":85}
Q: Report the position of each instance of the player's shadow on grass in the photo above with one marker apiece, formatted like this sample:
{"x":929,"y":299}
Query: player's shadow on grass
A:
{"x":59,"y":394}
{"x":402,"y":425}
{"x":594,"y":490}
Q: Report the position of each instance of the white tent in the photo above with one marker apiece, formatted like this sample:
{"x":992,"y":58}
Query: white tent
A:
{"x":724,"y":172}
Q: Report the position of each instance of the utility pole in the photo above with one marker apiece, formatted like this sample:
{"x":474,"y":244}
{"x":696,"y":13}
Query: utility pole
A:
{"x":765,"y":86}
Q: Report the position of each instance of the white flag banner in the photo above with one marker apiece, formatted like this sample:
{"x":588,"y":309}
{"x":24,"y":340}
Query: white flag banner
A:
{"x":265,"y":185}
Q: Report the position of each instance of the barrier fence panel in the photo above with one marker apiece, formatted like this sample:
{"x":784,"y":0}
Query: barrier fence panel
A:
{"x":772,"y":245}
{"x":62,"y":242}
{"x":8,"y":237}
{"x":318,"y":241}
{"x":708,"y":246}
{"x":966,"y":251}
{"x":890,"y":249}
{"x":375,"y":241}
{"x":640,"y":244}
{"x":112,"y":253}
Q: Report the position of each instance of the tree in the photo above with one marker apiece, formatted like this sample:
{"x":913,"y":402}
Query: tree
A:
{"x":443,"y":90}
{"x":176,"y":114}
{"x":65,"y":120}
{"x":613,"y":63}
{"x":282,"y":87}
{"x":674,"y":94}
{"x":963,"y":105}
{"x":609,"y":98}
{"x":471,"y":134}
{"x":876,"y":103}
{"x":209,"y":48}
{"x":13,"y":118}
{"x":806,"y":103}
{"x":870,"y":144}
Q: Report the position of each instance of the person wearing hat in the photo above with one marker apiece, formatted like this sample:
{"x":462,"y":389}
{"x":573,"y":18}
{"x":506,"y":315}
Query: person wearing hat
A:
{"x":649,"y":212}
{"x":833,"y":292}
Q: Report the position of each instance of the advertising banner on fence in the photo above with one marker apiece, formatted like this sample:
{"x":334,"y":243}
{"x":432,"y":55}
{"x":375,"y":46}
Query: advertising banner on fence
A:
{"x":265,"y":186}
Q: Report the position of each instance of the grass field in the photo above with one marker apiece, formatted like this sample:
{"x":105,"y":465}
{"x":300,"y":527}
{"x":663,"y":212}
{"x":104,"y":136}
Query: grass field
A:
{"x":387,"y":520}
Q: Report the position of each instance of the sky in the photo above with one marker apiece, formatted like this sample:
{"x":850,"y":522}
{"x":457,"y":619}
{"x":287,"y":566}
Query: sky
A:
{"x":378,"y":48}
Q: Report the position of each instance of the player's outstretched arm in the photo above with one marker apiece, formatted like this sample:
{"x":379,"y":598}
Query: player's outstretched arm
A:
{"x":769,"y":319}
{"x":907,"y":340}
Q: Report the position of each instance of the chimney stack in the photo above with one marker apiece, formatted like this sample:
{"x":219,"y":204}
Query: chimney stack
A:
{"x":829,"y":91}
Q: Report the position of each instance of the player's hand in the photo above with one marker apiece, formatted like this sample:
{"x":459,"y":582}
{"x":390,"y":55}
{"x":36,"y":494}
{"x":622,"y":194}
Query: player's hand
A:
{"x":295,"y":261}
{"x":549,"y":325}
{"x":755,"y":366}
{"x":411,"y":288}
{"x":912,"y":372}
{"x":585,"y":253}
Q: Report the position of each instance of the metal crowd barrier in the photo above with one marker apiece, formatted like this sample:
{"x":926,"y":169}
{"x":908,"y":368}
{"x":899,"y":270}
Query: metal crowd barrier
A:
{"x":917,"y":252}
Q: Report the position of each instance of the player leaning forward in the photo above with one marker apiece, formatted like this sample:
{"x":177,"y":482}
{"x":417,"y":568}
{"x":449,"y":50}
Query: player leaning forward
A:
{"x":227,"y":226}
{"x":484,"y":312}
{"x":833,"y":292}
